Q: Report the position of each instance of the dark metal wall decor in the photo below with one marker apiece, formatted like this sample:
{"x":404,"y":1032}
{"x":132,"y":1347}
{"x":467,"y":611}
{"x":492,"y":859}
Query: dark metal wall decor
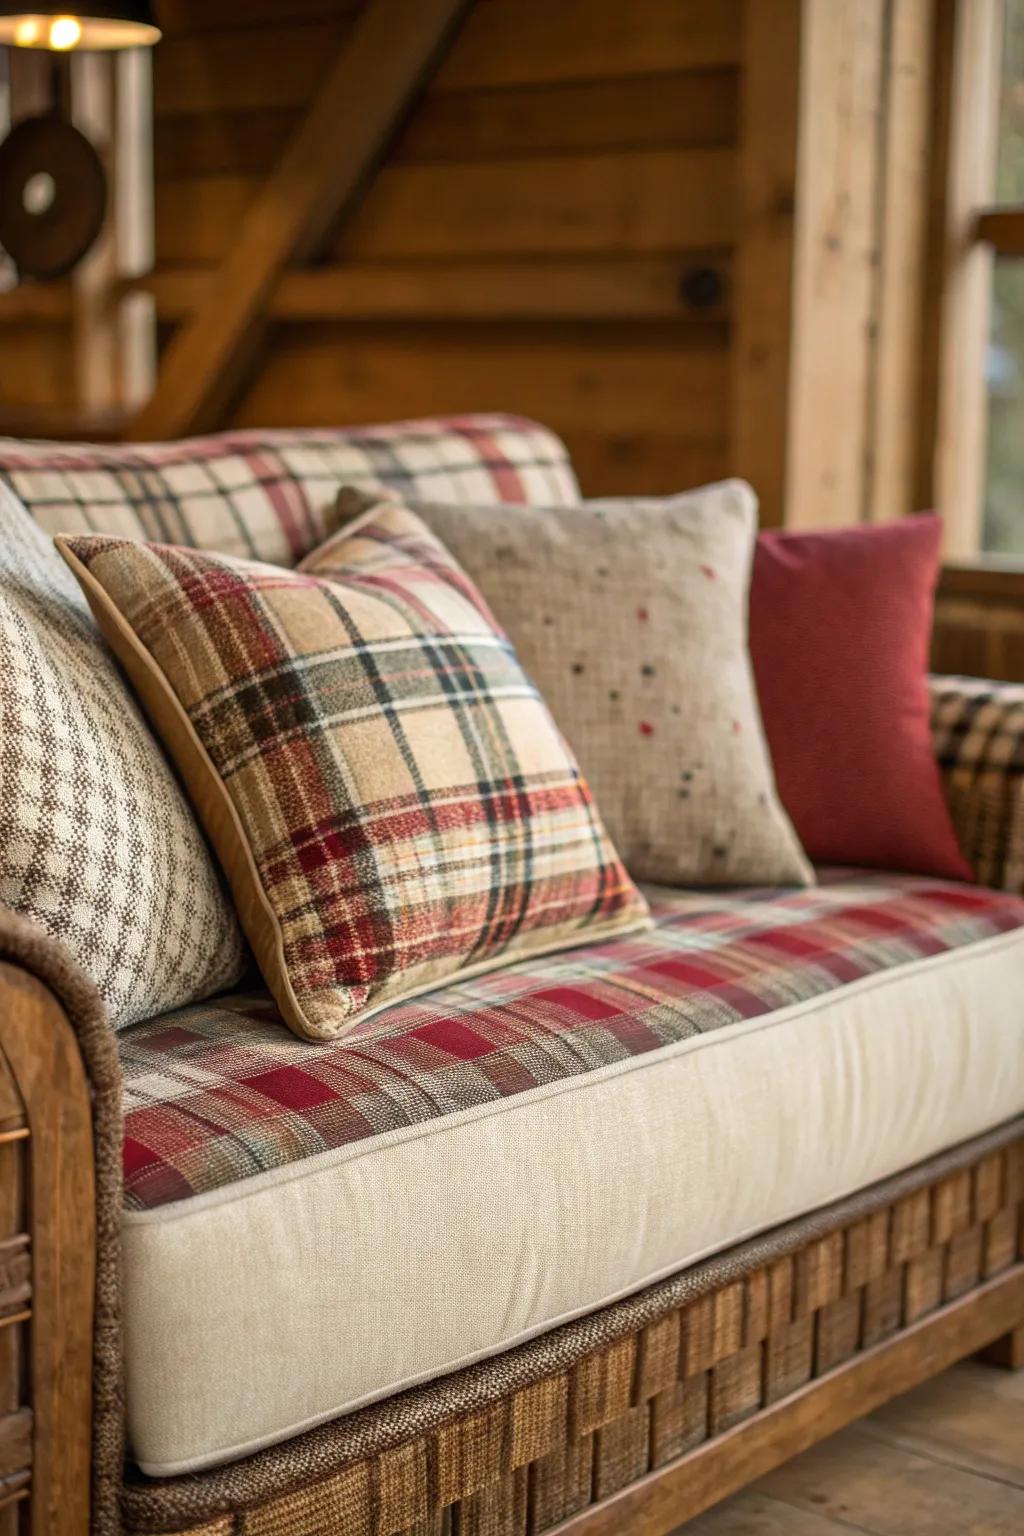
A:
{"x":53,"y":187}
{"x":53,"y":196}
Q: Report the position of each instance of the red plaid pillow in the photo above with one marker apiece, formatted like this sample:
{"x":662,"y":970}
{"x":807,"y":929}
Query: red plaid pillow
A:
{"x":393,"y":804}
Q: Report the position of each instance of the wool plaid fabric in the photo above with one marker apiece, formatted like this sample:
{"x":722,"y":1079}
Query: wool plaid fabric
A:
{"x":219,"y":1092}
{"x":263,"y":495}
{"x":402,"y":807}
{"x":97,"y":843}
{"x":978,"y":734}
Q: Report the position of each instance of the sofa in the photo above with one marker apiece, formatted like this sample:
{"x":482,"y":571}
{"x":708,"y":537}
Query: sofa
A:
{"x":586,"y":1243}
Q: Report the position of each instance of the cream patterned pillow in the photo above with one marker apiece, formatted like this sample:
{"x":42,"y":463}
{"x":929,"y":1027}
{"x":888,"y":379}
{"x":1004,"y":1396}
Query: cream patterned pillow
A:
{"x":97,"y":843}
{"x":631,"y":618}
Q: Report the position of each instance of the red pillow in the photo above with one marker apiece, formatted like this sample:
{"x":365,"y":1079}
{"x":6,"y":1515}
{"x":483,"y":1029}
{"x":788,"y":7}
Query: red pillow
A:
{"x":840,"y":625}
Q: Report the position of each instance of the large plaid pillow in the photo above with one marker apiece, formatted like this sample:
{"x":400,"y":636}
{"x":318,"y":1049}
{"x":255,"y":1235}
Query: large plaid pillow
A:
{"x":264,"y":495}
{"x":97,"y":843}
{"x":392,"y":802}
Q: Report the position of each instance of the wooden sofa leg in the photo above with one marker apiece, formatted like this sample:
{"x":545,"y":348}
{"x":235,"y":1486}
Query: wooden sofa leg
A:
{"x":47,"y":1265}
{"x":1007,"y":1352}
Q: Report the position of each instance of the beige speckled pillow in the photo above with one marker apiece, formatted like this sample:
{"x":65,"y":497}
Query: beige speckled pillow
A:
{"x":631,"y":618}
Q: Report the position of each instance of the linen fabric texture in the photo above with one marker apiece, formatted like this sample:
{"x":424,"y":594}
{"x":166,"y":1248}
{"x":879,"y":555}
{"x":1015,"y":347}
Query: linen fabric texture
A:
{"x":840,"y":630}
{"x":97,"y":843}
{"x":263,"y":495}
{"x":391,"y":800}
{"x":523,"y":1148}
{"x":631,"y":618}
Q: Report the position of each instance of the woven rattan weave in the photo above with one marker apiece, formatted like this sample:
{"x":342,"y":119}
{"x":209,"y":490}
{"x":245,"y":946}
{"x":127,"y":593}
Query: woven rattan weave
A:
{"x":643,"y":1383}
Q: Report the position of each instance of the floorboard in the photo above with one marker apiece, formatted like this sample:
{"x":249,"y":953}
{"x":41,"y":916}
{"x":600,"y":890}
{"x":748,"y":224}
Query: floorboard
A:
{"x":946,"y":1458}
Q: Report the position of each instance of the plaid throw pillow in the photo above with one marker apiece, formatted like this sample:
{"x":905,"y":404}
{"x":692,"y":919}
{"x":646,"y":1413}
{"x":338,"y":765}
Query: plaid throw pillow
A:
{"x":263,"y":495}
{"x":393,"y":804}
{"x":97,"y":843}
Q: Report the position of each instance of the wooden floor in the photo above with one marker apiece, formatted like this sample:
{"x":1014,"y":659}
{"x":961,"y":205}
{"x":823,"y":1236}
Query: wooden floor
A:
{"x":948,"y":1457}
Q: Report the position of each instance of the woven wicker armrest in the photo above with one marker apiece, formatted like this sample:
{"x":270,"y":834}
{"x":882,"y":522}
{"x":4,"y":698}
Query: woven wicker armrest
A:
{"x":978,"y":731}
{"x":59,"y":1208}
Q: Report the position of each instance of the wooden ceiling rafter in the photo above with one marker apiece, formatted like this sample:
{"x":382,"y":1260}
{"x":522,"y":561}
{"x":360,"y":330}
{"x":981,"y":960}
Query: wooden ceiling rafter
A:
{"x":392,"y":50}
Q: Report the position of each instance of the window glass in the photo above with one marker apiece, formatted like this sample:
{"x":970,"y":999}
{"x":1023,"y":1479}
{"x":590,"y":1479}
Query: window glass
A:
{"x":1010,"y":162}
{"x":1004,"y":491}
{"x":1003,"y":529}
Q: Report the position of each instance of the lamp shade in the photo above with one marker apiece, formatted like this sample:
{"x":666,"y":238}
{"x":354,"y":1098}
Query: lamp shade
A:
{"x":62,"y":30}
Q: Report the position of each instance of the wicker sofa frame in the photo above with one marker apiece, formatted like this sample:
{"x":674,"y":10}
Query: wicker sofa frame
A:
{"x":634,"y":1418}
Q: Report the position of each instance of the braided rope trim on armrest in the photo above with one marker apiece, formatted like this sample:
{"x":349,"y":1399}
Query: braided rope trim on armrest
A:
{"x":978,"y":733}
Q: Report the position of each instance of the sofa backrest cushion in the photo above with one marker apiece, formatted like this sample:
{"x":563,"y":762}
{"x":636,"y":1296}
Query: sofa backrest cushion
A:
{"x":97,"y":843}
{"x":263,"y":495}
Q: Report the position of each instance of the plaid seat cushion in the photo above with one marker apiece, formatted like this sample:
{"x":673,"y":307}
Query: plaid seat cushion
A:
{"x":221,"y":1092}
{"x":392,"y":801}
{"x":263,"y":495}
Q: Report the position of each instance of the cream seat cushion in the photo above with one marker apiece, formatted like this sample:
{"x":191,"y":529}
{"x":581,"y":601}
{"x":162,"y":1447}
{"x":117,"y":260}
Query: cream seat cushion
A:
{"x":313,"y":1227}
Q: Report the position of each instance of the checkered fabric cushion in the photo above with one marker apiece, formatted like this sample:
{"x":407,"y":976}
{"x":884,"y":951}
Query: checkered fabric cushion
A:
{"x":262,"y":495}
{"x":97,"y":843}
{"x":390,"y":797}
{"x":220,"y":1092}
{"x":978,"y":732}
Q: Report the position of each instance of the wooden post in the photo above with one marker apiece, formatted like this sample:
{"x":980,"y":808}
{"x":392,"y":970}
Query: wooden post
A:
{"x":763,"y":285}
{"x":954,"y":407}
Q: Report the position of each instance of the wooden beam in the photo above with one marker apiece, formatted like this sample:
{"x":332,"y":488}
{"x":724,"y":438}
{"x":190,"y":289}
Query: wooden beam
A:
{"x":954,"y":405}
{"x":1003,"y":230}
{"x":37,"y":304}
{"x":659,"y":287}
{"x":904,"y":149}
{"x":389,"y":53}
{"x":761,"y":351}
{"x":836,"y":267}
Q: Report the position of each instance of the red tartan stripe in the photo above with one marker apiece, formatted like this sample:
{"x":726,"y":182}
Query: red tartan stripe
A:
{"x":222,"y":1091}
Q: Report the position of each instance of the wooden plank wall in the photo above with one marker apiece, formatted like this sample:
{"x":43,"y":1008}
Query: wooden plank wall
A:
{"x":526,"y":244}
